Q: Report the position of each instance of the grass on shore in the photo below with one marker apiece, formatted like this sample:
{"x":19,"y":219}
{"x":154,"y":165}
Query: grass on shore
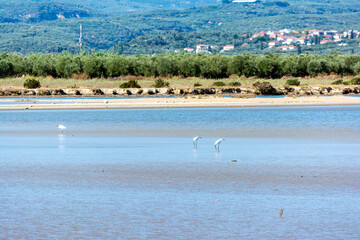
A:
{"x":175,"y":82}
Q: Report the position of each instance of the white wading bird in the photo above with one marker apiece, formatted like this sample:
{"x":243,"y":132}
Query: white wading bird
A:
{"x":195,"y":140}
{"x":217,"y":144}
{"x":61,"y":127}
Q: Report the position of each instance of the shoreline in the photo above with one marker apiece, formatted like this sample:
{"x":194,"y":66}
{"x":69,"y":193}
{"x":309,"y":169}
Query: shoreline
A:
{"x":159,"y":103}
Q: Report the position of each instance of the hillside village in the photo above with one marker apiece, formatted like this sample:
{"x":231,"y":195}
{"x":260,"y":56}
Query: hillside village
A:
{"x":284,"y":40}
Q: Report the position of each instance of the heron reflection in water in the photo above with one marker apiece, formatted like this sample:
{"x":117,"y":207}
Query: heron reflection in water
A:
{"x":61,"y":127}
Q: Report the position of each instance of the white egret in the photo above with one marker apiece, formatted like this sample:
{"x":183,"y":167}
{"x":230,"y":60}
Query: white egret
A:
{"x":61,"y":127}
{"x":195,"y":140}
{"x":217,"y":144}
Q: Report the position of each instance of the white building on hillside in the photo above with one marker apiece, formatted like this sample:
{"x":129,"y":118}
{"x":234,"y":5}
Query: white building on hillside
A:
{"x":202,"y":48}
{"x":287,"y":48}
{"x":189,"y":50}
{"x":228,"y":47}
{"x":273,"y":44}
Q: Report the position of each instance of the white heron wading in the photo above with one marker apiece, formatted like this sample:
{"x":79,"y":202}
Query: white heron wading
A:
{"x":217,"y":144}
{"x":195,"y":140}
{"x":61,"y":127}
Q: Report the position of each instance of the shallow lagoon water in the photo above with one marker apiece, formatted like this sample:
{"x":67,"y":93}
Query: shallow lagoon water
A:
{"x":133,"y":174}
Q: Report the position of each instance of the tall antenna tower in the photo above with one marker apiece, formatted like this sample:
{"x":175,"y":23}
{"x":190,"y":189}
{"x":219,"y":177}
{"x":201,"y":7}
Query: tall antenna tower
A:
{"x":80,"y":38}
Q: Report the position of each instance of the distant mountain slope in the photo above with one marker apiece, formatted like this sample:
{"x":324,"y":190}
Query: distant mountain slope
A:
{"x":102,"y":33}
{"x":37,"y":12}
{"x":119,"y":7}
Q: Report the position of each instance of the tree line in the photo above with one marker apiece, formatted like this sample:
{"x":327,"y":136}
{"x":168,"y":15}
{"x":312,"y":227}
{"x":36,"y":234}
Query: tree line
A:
{"x":109,"y":65}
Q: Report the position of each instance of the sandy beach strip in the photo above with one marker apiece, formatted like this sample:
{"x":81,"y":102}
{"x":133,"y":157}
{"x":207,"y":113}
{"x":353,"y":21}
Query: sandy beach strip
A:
{"x":180,"y":102}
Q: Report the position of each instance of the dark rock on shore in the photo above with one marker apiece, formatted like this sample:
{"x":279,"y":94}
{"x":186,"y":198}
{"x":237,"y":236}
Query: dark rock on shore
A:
{"x":150,"y":92}
{"x":44,"y":93}
{"x":58,"y":92}
{"x":97,"y":91}
{"x":347,"y":91}
{"x":263,"y":88}
{"x":227,"y":90}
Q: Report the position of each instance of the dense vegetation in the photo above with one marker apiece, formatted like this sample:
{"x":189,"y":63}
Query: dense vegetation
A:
{"x":13,"y":12}
{"x":186,"y":65}
{"x":119,"y":7}
{"x":31,"y":83}
{"x":151,"y":32}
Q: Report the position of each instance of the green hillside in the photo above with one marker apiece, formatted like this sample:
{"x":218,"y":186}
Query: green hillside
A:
{"x":14,"y":12}
{"x":119,"y":7}
{"x":104,"y":33}
{"x":151,"y":44}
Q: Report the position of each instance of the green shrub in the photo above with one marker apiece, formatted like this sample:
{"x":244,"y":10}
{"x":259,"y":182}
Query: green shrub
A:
{"x":130,"y":84}
{"x":265,"y":88}
{"x":6,"y":68}
{"x":355,"y":81}
{"x":338,"y":82}
{"x":219,"y":84}
{"x":197,"y":84}
{"x":293,"y":82}
{"x":160,"y":83}
{"x":235,"y":84}
{"x":32,"y":83}
{"x":356,"y":68}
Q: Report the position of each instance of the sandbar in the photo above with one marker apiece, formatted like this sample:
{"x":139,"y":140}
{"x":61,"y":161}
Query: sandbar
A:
{"x":178,"y":102}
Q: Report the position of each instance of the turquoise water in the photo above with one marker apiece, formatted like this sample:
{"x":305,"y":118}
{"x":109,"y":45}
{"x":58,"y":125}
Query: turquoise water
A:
{"x":133,"y":174}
